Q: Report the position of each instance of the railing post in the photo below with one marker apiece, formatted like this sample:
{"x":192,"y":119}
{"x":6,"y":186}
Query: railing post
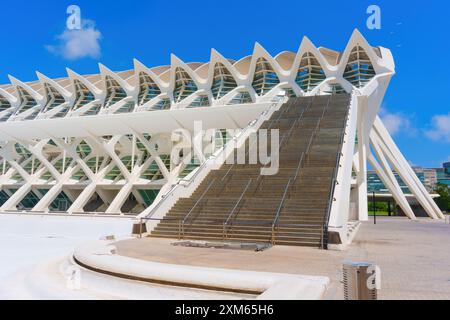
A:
{"x":273,"y":236}
{"x":140,"y":228}
{"x":223,"y":231}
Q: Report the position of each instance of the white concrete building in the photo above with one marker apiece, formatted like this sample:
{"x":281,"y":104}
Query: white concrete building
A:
{"x":102,"y":143}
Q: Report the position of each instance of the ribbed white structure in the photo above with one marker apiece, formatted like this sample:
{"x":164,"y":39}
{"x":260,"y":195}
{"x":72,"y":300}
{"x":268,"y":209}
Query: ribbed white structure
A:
{"x":108,"y":135}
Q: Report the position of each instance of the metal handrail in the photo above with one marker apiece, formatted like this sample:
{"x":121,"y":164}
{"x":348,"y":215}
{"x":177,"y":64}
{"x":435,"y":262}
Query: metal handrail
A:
{"x":235,"y":207}
{"x":317,"y":126}
{"x":297,"y":121}
{"x":248,"y":151}
{"x":183,"y":222}
{"x":196,"y":174}
{"x":300,"y":118}
{"x":277,"y":217}
{"x":301,"y":162}
{"x":174,"y":187}
{"x":333,"y":186}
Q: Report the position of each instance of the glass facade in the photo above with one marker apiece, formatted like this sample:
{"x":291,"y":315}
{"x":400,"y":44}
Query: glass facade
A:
{"x":359,"y":70}
{"x":200,"y":101}
{"x":163,"y":104}
{"x":241,"y":98}
{"x":223,"y":81}
{"x":265,"y":77}
{"x":335,"y":88}
{"x":184,"y":85}
{"x":148,"y":196}
{"x":310,"y":74}
{"x":4,"y":104}
{"x":114,"y":92}
{"x":290,"y":93}
{"x":83,"y":150}
{"x":443,"y":175}
{"x":147,"y":89}
{"x":82,"y":94}
{"x":27,"y":102}
{"x":374,"y":183}
{"x":54,"y":99}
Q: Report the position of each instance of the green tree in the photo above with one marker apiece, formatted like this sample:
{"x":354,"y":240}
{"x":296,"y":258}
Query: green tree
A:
{"x":379,"y":206}
{"x":444,"y":197}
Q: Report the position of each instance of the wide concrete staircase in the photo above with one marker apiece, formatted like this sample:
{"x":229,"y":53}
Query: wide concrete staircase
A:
{"x":237,"y":203}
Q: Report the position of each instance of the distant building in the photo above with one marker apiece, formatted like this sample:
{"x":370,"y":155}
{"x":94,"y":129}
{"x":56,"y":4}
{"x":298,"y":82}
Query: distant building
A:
{"x":443,"y":175}
{"x":430,"y":177}
{"x":374,"y":183}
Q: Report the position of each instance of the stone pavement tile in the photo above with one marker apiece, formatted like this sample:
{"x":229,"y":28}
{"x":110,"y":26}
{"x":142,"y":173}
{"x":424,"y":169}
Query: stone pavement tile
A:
{"x":414,"y":258}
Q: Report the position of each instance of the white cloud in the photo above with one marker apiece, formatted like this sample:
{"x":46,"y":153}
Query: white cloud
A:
{"x":440,"y":130}
{"x":76,"y":44}
{"x":396,"y":122}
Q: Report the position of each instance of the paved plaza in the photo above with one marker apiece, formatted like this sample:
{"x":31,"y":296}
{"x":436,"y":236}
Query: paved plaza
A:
{"x":414,"y":258}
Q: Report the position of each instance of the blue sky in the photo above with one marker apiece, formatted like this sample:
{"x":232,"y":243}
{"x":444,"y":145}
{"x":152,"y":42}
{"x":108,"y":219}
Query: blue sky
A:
{"x":417,"y":32}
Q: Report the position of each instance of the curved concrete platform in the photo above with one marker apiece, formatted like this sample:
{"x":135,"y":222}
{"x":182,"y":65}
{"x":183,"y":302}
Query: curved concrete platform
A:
{"x":101,"y":257}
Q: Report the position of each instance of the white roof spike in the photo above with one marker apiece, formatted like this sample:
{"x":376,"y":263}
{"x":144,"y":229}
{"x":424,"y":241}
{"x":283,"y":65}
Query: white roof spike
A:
{"x":11,"y":98}
{"x":43,"y":78}
{"x":92,"y":87}
{"x":357,"y":33}
{"x":139,"y":67}
{"x":306,"y":42}
{"x":123,"y":83}
{"x":71,"y":73}
{"x":103,"y":68}
{"x":13,"y":79}
{"x":175,"y":60}
{"x":36,"y":95}
{"x":260,"y":48}
{"x":137,"y":64}
{"x":217,"y":54}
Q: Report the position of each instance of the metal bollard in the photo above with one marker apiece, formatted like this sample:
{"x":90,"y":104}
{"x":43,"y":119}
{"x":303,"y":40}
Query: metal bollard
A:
{"x":361,"y":281}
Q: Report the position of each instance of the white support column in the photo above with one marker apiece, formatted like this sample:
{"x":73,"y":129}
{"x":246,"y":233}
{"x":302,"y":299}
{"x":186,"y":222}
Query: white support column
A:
{"x":108,"y":147}
{"x":70,"y":149}
{"x":51,"y":195}
{"x":406,"y":173}
{"x":388,"y":179}
{"x":153,"y":153}
{"x":20,"y":194}
{"x":119,"y":200}
{"x":88,"y":191}
{"x":361,"y":178}
{"x":83,"y":198}
{"x":37,"y":151}
{"x":17,"y":197}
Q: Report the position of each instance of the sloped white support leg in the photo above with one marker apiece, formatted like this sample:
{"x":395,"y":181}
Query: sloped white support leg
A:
{"x":405,"y":171}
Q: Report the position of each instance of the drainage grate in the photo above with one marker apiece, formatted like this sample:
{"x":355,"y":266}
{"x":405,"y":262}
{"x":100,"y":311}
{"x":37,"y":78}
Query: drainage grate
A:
{"x":224,"y":245}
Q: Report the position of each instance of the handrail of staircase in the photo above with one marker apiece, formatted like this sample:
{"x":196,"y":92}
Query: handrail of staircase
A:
{"x":225,"y":225}
{"x":317,"y":126}
{"x":289,"y":134}
{"x":194,"y":176}
{"x":195,"y":206}
{"x":311,"y":139}
{"x":333,"y":186}
{"x":300,"y":164}
{"x":174,"y":187}
{"x":248,"y":151}
{"x":280,"y":207}
{"x":297,"y":121}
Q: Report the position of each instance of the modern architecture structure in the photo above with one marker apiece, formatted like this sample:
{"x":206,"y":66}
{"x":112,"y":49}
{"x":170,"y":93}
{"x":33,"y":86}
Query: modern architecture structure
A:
{"x":430,"y":178}
{"x":103,"y":143}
